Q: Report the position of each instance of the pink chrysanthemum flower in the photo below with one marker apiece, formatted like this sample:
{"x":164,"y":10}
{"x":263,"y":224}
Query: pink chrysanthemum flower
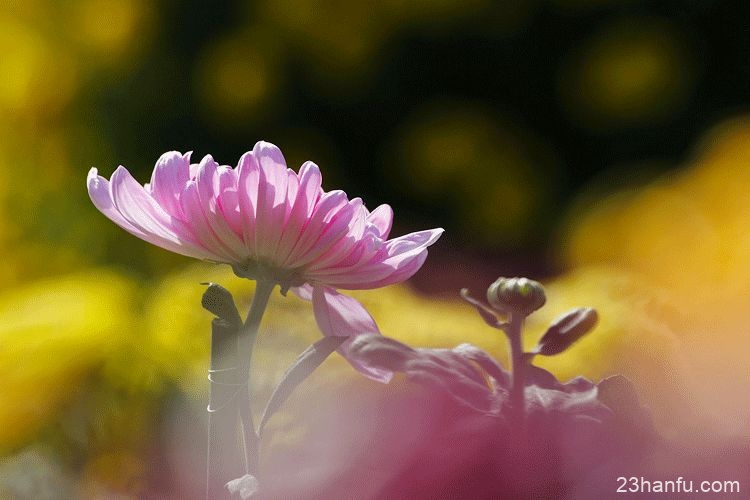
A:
{"x":269,"y":223}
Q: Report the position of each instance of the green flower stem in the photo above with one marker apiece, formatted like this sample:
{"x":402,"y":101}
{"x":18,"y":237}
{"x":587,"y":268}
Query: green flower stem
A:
{"x":517,"y":396}
{"x":245,"y":344}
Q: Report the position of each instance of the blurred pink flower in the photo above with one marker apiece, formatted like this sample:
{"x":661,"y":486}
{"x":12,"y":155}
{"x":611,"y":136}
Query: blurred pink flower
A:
{"x":454,"y":437}
{"x":271,"y":223}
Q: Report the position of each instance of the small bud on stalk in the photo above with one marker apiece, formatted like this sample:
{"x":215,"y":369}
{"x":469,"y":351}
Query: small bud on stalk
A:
{"x":567,"y":330}
{"x":516,"y":295}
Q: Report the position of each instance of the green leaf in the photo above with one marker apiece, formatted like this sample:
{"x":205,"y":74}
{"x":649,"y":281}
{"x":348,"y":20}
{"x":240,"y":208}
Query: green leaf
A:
{"x":302,"y":368}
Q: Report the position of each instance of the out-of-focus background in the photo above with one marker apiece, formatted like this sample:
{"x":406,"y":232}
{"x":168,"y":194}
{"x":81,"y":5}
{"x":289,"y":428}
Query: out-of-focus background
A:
{"x":598,"y":145}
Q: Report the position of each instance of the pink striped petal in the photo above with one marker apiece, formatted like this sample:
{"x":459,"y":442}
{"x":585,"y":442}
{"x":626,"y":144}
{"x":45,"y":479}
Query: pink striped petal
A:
{"x":191,"y":206}
{"x":99,"y":192}
{"x":228,"y":201}
{"x":209,"y":217}
{"x":366,"y":249}
{"x":292,"y":186}
{"x":403,"y":246}
{"x":146,"y":215}
{"x":248,"y":177}
{"x":345,"y":246}
{"x":323,"y":212}
{"x":403,"y":257}
{"x":333,"y":230}
{"x":381,"y":219}
{"x":307,"y":196}
{"x":405,"y":271}
{"x":342,"y":316}
{"x":311,"y":182}
{"x":171,"y":173}
{"x":272,"y":193}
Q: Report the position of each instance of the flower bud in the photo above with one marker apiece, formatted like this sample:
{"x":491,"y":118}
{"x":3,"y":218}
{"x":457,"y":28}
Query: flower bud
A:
{"x":567,"y":330}
{"x":516,"y":295}
{"x":218,"y":300}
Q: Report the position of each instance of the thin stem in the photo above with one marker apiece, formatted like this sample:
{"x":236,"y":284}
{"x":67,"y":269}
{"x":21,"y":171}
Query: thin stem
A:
{"x":517,"y":396}
{"x":245,"y":343}
{"x":222,"y":460}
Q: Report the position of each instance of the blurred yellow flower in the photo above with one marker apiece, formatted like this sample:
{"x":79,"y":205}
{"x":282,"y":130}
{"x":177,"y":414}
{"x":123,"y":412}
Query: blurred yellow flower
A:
{"x":632,"y":72}
{"x":238,"y":76}
{"x":54,"y":335}
{"x":111,"y":30}
{"x":686,"y":235}
{"x":29,"y":57}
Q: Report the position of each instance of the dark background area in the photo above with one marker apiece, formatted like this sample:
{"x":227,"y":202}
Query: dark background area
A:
{"x":494,"y":120}
{"x":521,"y":66}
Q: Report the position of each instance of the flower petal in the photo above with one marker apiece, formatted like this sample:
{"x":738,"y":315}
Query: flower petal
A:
{"x":228,"y":200}
{"x":345,"y":246}
{"x":307,"y":196}
{"x":339,"y":315}
{"x":145,"y":214}
{"x":248,"y":176}
{"x":404,"y":271}
{"x":412,"y":243}
{"x":199,"y":204}
{"x":381,"y":219}
{"x":397,"y":261}
{"x":99,"y":192}
{"x":340,"y":226}
{"x":271,"y":206}
{"x":208,"y":181}
{"x":304,"y":292}
{"x":324,"y":211}
{"x":311,"y":182}
{"x":171,"y":173}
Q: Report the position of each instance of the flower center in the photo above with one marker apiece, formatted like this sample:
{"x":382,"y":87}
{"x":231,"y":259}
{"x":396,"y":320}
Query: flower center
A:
{"x":259,"y":270}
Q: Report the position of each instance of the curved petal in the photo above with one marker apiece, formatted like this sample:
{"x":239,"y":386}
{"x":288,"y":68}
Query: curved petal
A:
{"x":381,"y":219}
{"x":171,"y":173}
{"x":145,"y":214}
{"x":404,"y":246}
{"x":323,"y":213}
{"x":307,"y":196}
{"x":397,"y":261}
{"x":271,"y":206}
{"x":350,"y":244}
{"x":208,"y":181}
{"x":275,"y":239}
{"x":248,"y":176}
{"x":271,"y":160}
{"x":99,"y":192}
{"x":227,"y":199}
{"x":340,"y":227}
{"x":304,"y":291}
{"x":310,"y":178}
{"x":200,"y":206}
{"x":340,"y":315}
{"x":402,"y":273}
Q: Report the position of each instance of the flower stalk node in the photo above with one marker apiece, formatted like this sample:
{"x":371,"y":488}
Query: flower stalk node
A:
{"x":510,"y":302}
